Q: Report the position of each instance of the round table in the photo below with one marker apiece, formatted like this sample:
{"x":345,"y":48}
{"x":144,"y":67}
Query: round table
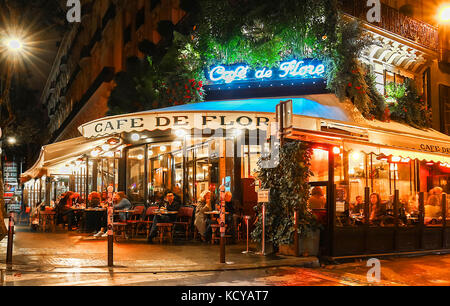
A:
{"x":93,"y":219}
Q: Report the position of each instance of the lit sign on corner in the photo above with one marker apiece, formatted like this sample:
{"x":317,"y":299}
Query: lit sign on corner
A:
{"x":294,"y":69}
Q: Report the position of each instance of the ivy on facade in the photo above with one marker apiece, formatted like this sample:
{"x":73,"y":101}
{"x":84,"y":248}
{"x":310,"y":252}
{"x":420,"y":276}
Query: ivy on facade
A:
{"x":289,"y":191}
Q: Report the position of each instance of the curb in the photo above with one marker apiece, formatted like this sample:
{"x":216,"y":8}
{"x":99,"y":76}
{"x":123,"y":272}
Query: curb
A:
{"x":310,"y":262}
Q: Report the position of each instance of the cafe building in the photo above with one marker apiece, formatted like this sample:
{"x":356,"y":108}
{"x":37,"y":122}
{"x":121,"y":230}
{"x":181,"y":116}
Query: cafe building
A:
{"x":196,"y":147}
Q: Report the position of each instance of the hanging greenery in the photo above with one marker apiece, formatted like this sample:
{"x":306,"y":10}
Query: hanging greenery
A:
{"x":163,"y":78}
{"x":262,"y":33}
{"x":289,"y":191}
{"x":407,"y":105}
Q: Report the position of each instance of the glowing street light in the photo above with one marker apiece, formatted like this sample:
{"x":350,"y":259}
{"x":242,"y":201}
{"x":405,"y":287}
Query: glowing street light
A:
{"x":12,"y":140}
{"x":14,"y":44}
{"x":444,"y":13}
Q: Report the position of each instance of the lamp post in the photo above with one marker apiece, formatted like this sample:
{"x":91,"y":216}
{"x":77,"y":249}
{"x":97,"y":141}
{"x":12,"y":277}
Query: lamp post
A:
{"x":14,"y":47}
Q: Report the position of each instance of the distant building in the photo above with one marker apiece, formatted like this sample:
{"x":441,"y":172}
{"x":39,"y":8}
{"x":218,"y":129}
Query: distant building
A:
{"x":92,"y":52}
{"x":408,"y":42}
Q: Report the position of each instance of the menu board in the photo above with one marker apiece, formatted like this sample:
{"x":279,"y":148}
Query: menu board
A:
{"x":10,"y":179}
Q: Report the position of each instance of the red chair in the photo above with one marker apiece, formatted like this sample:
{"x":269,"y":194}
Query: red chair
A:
{"x":134,"y":220}
{"x":147,"y":222}
{"x":184,"y":219}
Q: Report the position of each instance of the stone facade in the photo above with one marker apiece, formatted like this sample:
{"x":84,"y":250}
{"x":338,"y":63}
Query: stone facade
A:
{"x":92,"y":52}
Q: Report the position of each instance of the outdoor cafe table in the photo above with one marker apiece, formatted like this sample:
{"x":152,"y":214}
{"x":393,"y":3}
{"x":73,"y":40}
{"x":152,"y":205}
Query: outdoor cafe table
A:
{"x":164,"y":212}
{"x":92,"y":219}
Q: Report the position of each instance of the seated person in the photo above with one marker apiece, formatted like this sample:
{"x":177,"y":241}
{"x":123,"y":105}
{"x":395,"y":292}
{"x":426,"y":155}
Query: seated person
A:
{"x":433,"y":206}
{"x":358,"y":206}
{"x":121,"y":203}
{"x":378,"y":214}
{"x":94,"y":199}
{"x":229,"y":218}
{"x":64,"y":212}
{"x":171,"y":204}
{"x":317,"y":199}
{"x":201,"y":220}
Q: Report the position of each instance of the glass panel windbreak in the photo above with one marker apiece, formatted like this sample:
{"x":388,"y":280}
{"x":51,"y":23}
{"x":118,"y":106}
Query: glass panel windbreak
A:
{"x":318,"y":202}
{"x":319,"y":165}
{"x":356,"y":170}
{"x":135,"y":174}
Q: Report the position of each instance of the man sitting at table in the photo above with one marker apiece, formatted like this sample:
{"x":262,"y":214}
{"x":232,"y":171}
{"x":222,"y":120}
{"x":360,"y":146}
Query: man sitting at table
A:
{"x":122,"y":203}
{"x":171,"y":204}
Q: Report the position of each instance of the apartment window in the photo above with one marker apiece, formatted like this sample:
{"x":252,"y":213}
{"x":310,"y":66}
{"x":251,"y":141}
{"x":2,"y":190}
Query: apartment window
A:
{"x":444,"y":102}
{"x":391,"y":77}
{"x":127,"y":35}
{"x":427,"y":87}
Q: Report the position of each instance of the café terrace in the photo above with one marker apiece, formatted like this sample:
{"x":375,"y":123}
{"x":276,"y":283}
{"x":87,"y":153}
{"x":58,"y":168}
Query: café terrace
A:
{"x":200,"y":146}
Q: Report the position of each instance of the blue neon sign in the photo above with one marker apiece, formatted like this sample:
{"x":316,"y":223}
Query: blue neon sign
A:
{"x":289,"y":70}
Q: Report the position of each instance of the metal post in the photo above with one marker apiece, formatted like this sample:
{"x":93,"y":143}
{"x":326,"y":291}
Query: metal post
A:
{"x":110,"y":227}
{"x":2,"y":277}
{"x":296,"y":238}
{"x":263,"y":247}
{"x":222,"y":224}
{"x":9,"y":250}
{"x":246,"y":223}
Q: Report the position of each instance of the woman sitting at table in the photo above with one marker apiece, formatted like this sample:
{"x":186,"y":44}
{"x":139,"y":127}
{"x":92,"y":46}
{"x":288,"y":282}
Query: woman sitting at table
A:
{"x":64,"y":212}
{"x":94,"y":199}
{"x":201,"y":221}
{"x":377,"y":210}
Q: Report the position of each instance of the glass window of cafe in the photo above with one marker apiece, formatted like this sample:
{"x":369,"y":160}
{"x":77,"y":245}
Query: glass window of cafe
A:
{"x":188,"y":166}
{"x":356,"y":170}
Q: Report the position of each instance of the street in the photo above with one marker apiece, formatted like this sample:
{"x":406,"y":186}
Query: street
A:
{"x":413,"y":271}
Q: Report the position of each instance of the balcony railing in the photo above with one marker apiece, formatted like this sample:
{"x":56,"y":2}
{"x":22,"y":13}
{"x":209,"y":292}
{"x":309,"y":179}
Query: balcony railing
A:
{"x":393,"y":21}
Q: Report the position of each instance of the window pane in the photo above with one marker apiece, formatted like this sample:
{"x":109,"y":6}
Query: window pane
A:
{"x":319,"y":165}
{"x":135,"y":174}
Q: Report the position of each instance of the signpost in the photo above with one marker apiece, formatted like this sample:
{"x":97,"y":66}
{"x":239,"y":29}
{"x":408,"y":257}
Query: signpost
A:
{"x":110,"y":227}
{"x":222,"y":223}
{"x":263,"y":197}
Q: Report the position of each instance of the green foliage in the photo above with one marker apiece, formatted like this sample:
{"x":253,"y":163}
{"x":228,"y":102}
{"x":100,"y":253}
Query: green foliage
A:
{"x":409,"y":107}
{"x":289,"y":190}
{"x":347,"y":77}
{"x":264,"y":33}
{"x":159,"y":80}
{"x":395,"y":91}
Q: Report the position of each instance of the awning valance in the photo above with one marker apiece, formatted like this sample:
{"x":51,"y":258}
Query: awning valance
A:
{"x":58,"y":153}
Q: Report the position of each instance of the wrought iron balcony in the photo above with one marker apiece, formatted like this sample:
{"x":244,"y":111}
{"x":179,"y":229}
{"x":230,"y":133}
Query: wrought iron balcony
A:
{"x":395,"y":22}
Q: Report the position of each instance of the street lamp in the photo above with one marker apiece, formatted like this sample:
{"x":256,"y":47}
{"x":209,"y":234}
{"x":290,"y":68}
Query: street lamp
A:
{"x":12,"y":140}
{"x":14,"y":44}
{"x":444,"y":13}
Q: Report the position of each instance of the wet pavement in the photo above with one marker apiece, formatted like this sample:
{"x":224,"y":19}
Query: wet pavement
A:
{"x":75,"y":252}
{"x":79,"y":260}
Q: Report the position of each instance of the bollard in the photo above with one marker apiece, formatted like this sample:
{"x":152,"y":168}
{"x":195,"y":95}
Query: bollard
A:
{"x":110,"y":227}
{"x":2,"y":277}
{"x":9,"y":249}
{"x":247,"y":218}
